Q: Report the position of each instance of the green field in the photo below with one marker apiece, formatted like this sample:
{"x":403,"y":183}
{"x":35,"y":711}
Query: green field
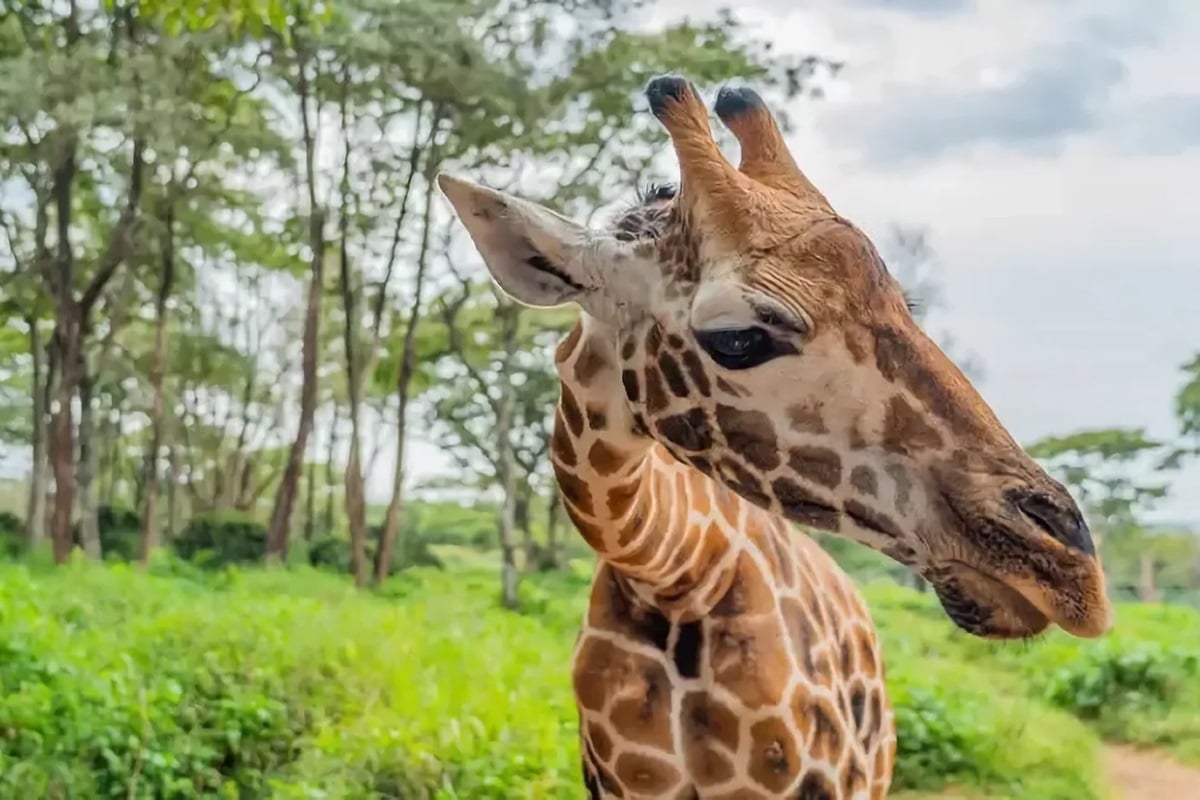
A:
{"x":291,"y":684}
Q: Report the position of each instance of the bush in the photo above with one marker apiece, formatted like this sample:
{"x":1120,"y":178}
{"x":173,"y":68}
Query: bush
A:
{"x":220,"y":538}
{"x":12,"y":535}
{"x":290,"y":684}
{"x":334,"y":552}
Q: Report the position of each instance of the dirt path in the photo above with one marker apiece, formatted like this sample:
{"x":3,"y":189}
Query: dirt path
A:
{"x":1141,"y":775}
{"x":1135,"y":774}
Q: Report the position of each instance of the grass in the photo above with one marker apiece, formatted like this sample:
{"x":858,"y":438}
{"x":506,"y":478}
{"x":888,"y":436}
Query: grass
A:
{"x":292,"y":685}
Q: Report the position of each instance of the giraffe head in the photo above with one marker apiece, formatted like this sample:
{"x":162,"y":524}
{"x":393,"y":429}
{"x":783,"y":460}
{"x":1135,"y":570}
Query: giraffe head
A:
{"x":762,"y":340}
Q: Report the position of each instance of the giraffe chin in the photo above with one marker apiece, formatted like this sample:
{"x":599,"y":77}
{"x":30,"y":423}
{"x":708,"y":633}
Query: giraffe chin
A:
{"x":986,"y":607}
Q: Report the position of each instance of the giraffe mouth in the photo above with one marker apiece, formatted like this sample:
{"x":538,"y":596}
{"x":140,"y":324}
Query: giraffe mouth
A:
{"x":984,"y":605}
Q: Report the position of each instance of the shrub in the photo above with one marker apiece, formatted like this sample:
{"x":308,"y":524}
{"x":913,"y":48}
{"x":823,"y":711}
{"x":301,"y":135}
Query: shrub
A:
{"x":220,"y":538}
{"x":1116,"y":676}
{"x":12,"y":535}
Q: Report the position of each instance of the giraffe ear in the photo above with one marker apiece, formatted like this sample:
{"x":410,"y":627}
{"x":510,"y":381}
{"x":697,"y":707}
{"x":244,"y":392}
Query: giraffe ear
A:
{"x":538,"y":257}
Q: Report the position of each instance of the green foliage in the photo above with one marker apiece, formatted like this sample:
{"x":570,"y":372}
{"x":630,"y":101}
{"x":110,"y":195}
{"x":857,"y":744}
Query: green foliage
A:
{"x":290,"y":684}
{"x":12,"y":535}
{"x":220,"y":538}
{"x":120,"y":532}
{"x":1114,"y":679}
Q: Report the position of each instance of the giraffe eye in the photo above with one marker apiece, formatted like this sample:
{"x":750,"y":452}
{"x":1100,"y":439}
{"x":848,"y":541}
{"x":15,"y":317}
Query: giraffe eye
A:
{"x":740,"y":348}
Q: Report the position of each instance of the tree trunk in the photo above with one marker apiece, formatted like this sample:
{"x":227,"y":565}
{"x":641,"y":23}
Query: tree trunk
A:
{"x":408,"y":368}
{"x":279,"y":530}
{"x":173,"y":484}
{"x":89,"y":510}
{"x":1147,"y":589}
{"x":508,"y":315}
{"x":35,"y":516}
{"x":524,"y":523}
{"x":330,"y":460}
{"x":355,"y":500}
{"x":149,"y":532}
{"x":310,"y":509}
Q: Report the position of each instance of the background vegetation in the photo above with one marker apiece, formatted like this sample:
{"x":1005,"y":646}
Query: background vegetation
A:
{"x":228,"y":293}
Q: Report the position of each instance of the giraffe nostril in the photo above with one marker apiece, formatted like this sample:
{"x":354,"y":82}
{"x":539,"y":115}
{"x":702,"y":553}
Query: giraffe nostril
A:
{"x":1065,"y":525}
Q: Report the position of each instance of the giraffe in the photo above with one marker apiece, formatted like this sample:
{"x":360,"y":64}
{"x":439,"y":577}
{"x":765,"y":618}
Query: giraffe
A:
{"x":744,"y":361}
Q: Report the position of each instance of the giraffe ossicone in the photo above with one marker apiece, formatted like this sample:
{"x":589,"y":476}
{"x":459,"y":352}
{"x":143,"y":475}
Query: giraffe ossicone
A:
{"x":744,"y":360}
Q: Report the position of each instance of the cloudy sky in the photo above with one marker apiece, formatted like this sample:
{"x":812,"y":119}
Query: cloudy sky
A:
{"x":1052,"y":149}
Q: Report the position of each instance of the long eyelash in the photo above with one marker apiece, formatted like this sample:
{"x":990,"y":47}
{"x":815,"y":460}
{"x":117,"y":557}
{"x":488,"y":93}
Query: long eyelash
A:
{"x":654,"y":192}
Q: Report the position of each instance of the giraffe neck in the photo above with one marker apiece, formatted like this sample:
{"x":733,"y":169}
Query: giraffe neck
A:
{"x":669,"y":530}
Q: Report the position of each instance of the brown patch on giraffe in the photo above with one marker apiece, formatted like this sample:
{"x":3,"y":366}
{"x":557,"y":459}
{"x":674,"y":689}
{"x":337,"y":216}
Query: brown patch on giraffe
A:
{"x":600,"y":740}
{"x":854,"y":777}
{"x":862,"y":478}
{"x":875,"y":705}
{"x":628,"y":348}
{"x":629,"y":380}
{"x":747,"y":660}
{"x":707,"y":719}
{"x":868,"y":651}
{"x":695,"y":369}
{"x":875,"y":520}
{"x":689,"y":644}
{"x":741,"y":480}
{"x":600,"y":667}
{"x":802,"y":506}
{"x":858,"y":703}
{"x":806,"y":418}
{"x":904,"y":431}
{"x":570,"y":409}
{"x":656,"y":393}
{"x":645,"y":774}
{"x":780,"y":543}
{"x":561,"y":443}
{"x":689,"y":430}
{"x":567,"y":346}
{"x":903,"y":486}
{"x":815,"y":786}
{"x":704,"y":721}
{"x":750,"y":434}
{"x":818,"y":464}
{"x":674,"y":341}
{"x":606,"y":459}
{"x":748,"y":594}
{"x":590,"y":362}
{"x":574,"y":490}
{"x":800,"y":632}
{"x":673,"y":374}
{"x":774,"y":762}
{"x":620,"y":497}
{"x":828,"y":739}
{"x":597,"y":419}
{"x":643,"y":711}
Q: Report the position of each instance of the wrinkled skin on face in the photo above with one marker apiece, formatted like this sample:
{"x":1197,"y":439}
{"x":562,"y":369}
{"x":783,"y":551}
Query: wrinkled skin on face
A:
{"x":763,"y":341}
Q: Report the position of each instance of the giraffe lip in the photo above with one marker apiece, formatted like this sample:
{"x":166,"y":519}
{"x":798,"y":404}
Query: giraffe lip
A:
{"x":1002,"y":611}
